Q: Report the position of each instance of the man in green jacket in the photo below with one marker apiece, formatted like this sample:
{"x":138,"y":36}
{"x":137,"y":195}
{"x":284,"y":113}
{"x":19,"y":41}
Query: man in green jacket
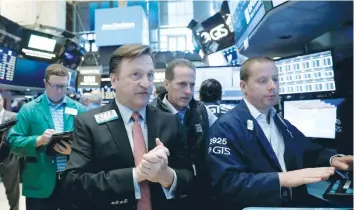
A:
{"x":50,"y":113}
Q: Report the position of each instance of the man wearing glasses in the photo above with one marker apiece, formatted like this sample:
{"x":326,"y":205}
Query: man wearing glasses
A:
{"x":52,"y":112}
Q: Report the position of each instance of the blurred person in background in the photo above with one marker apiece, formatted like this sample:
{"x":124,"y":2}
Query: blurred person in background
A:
{"x":10,"y":166}
{"x":210,"y":93}
{"x":196,"y":118}
{"x":94,"y":99}
{"x":51,"y":112}
{"x":84,"y":99}
{"x":91,"y":100}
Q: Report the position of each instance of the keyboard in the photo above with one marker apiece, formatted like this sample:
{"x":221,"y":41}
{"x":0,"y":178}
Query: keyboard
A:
{"x":340,"y":190}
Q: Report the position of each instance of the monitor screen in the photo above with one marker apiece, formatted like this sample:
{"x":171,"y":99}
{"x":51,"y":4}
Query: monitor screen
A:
{"x":41,"y":43}
{"x":29,"y":73}
{"x":314,"y":118}
{"x":7,"y":65}
{"x":306,"y":73}
{"x":246,"y":15}
{"x":217,"y":59}
{"x":228,"y":76}
{"x":72,"y":79}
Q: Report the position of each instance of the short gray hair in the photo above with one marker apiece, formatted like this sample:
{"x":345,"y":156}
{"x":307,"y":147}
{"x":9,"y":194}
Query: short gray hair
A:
{"x":95,"y":97}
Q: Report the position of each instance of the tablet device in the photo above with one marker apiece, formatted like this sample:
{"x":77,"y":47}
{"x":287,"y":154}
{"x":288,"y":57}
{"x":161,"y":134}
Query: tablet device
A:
{"x":66,"y":136}
{"x":340,"y":190}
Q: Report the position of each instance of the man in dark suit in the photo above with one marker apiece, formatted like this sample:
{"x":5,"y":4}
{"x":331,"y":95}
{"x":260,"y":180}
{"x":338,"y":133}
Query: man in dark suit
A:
{"x":10,"y":167}
{"x":127,"y":155}
{"x":4,"y":150}
{"x":257,"y":158}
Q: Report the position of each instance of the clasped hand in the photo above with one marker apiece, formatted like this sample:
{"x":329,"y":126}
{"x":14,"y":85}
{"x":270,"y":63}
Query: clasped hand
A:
{"x":154,"y":166}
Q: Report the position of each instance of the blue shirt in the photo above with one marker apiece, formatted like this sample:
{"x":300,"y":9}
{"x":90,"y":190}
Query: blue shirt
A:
{"x":57,"y":112}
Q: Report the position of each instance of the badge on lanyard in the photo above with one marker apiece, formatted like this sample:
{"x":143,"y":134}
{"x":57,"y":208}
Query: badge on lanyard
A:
{"x":70,"y":111}
{"x":250,"y":125}
{"x":106,"y":116}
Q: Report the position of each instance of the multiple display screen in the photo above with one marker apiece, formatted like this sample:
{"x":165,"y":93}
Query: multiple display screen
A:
{"x":24,"y":72}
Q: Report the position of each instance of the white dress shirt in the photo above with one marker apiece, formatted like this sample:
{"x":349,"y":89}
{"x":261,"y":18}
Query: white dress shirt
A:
{"x":126,"y":114}
{"x":271,"y":132}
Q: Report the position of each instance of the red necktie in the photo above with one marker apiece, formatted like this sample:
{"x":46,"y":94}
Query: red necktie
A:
{"x":139,"y":150}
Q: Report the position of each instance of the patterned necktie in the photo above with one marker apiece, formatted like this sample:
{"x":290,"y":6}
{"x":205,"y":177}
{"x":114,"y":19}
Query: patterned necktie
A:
{"x":180,"y":117}
{"x":139,"y":150}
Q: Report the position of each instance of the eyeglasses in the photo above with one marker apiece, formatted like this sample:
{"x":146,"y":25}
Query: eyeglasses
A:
{"x":57,"y":87}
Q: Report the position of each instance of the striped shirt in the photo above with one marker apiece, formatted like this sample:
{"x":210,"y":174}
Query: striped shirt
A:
{"x":57,"y":112}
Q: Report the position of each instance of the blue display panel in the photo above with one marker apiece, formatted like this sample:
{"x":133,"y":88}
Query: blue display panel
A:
{"x":29,"y":73}
{"x":72,"y":79}
{"x":245,"y":17}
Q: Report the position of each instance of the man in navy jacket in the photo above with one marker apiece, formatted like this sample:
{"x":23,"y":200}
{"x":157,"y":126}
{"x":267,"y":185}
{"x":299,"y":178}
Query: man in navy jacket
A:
{"x":255,"y":157}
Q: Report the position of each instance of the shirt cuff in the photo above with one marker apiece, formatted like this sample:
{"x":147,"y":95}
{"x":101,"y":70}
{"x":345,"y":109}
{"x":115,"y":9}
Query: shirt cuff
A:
{"x":136,"y":186}
{"x":337,"y":155}
{"x":170,"y":193}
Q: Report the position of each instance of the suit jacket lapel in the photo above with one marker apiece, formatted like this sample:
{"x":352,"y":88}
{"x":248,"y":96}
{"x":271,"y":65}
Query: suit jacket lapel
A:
{"x":151,"y":125}
{"x":259,"y":134}
{"x":119,"y":133}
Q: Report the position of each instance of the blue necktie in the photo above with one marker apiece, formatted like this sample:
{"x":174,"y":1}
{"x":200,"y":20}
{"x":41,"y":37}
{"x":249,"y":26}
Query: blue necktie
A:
{"x":180,"y":117}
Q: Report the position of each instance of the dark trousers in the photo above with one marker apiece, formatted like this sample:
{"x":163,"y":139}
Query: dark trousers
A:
{"x":10,"y":175}
{"x":53,"y":202}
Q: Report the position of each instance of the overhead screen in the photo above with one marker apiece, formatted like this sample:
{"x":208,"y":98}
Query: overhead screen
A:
{"x":7,"y":65}
{"x":29,"y":73}
{"x":228,"y":76}
{"x":72,"y":79}
{"x":226,"y":57}
{"x":306,"y":73}
{"x":245,"y":17}
{"x":314,"y":118}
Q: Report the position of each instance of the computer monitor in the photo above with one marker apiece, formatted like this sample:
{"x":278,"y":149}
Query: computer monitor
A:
{"x":306,"y":73}
{"x":72,"y":79}
{"x":315,"y":118}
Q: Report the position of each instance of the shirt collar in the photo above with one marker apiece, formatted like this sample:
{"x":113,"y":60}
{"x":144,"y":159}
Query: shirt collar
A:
{"x":172,"y":109}
{"x":126,"y":112}
{"x":257,"y":114}
{"x":50,"y":103}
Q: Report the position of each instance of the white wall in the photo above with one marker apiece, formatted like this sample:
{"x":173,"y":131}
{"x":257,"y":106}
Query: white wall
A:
{"x":31,"y":12}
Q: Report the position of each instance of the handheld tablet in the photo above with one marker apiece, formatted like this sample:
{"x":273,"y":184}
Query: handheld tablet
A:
{"x":56,"y":138}
{"x":340,"y":190}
